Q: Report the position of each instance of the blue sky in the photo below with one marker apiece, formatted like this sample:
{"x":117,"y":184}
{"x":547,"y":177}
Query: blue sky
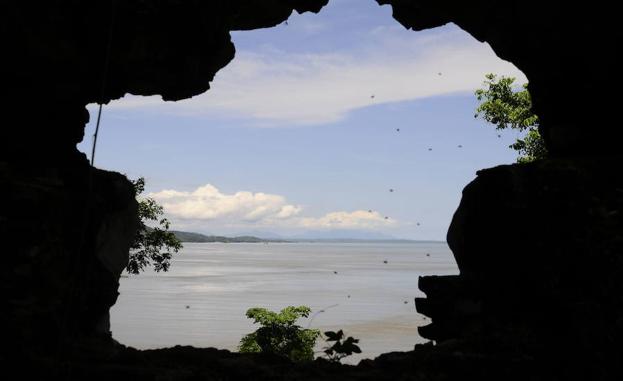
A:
{"x":299,"y":133}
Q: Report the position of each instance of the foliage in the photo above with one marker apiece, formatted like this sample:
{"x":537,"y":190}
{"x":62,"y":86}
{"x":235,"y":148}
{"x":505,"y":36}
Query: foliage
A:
{"x":506,"y":108}
{"x":152,"y":246}
{"x":280,"y":335}
{"x":531,"y":147}
{"x":340,"y":349}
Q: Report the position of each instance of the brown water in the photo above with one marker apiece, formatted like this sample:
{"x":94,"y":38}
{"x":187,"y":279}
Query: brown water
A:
{"x":219,"y":282}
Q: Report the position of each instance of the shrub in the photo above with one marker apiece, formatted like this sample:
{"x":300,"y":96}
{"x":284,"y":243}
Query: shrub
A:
{"x":280,"y":335}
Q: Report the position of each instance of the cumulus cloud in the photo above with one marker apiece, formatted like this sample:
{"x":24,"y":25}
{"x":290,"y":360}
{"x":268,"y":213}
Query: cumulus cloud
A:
{"x":207,"y":204}
{"x":277,"y":88}
{"x":359,"y":219}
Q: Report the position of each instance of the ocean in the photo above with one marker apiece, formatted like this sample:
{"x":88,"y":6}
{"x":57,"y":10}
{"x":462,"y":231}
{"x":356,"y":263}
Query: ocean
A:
{"x":202,"y":300}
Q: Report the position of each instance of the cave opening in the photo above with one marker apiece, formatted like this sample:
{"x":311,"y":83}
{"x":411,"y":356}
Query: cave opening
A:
{"x":538,"y":244}
{"x":309,"y":127}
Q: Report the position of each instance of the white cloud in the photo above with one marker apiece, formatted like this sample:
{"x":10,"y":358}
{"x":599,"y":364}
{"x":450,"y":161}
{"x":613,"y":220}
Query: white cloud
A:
{"x":276,"y":88}
{"x":208,"y":205}
{"x":359,"y":219}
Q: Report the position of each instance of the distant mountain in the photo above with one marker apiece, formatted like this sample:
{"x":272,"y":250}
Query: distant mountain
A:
{"x":198,"y":237}
{"x":261,"y":234}
{"x":342,"y":236}
{"x":357,"y":240}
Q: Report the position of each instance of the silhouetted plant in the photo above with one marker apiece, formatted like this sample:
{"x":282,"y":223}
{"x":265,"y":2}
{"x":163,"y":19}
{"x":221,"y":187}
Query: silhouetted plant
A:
{"x":340,"y":349}
{"x":152,"y":246}
{"x":506,"y":108}
{"x":280,"y":335}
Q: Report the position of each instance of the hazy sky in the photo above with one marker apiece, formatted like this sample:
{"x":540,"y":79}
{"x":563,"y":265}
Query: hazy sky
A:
{"x":299,"y":132}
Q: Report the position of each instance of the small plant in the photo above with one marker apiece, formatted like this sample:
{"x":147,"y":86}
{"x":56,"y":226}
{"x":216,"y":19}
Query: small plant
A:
{"x":340,"y":349}
{"x":279,"y":334}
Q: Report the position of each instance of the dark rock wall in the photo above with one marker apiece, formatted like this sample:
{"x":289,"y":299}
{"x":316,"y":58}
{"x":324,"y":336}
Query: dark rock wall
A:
{"x":66,"y":235}
{"x":540,"y":250}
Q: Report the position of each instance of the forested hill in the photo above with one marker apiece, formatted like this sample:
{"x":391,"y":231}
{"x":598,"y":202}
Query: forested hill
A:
{"x":198,"y":237}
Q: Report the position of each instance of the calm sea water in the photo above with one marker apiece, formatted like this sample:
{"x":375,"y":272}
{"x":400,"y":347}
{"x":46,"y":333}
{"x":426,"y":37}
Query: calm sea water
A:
{"x":367,"y":298}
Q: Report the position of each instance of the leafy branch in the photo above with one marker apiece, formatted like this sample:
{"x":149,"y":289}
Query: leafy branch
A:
{"x":152,"y":245}
{"x":504,"y":107}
